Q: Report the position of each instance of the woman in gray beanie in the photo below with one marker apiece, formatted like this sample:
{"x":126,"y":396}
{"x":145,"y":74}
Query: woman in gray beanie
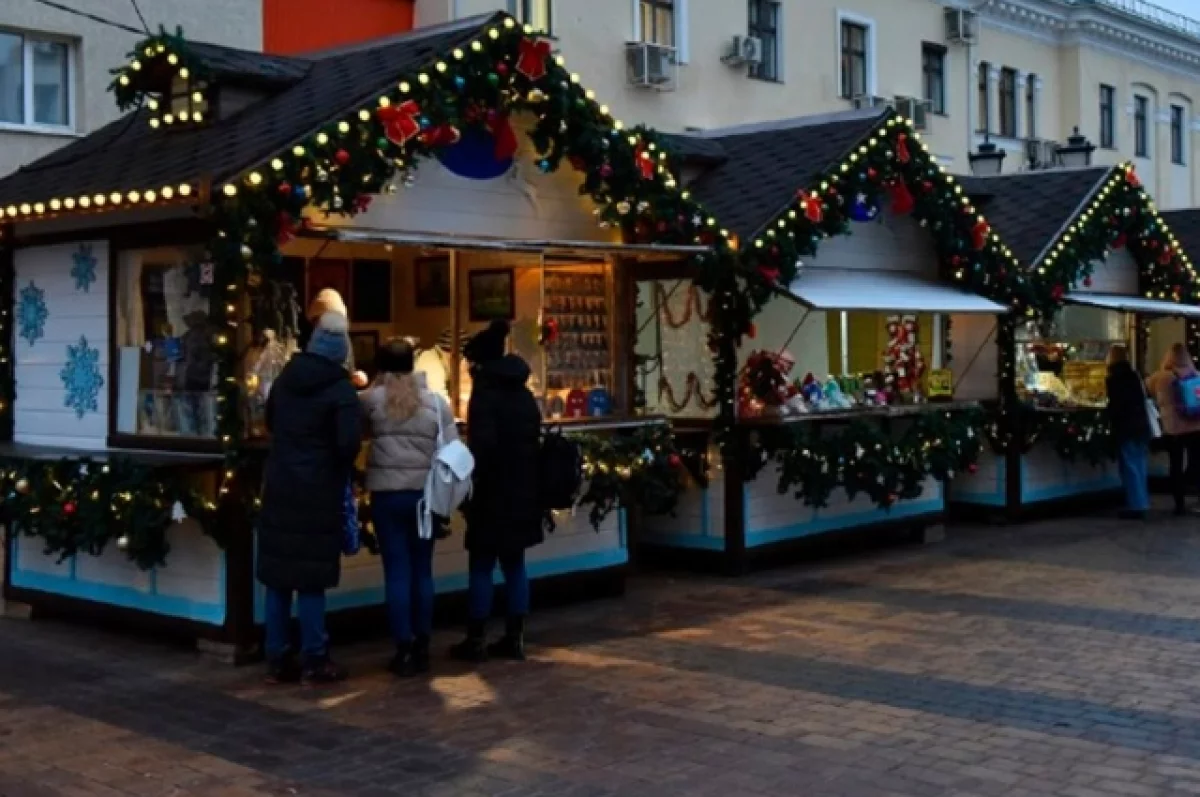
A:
{"x":313,"y":418}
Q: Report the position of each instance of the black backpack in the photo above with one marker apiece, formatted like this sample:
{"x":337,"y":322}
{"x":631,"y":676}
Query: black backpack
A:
{"x":560,"y":470}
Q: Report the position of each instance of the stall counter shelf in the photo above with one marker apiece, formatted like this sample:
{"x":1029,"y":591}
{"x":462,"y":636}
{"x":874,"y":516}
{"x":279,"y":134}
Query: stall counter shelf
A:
{"x":739,"y":521}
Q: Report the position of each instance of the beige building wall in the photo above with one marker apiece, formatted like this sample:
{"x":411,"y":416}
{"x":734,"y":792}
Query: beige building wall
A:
{"x":94,"y":48}
{"x":1066,"y":51}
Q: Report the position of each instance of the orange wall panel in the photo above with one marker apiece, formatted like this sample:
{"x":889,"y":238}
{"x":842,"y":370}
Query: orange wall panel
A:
{"x":299,"y":26}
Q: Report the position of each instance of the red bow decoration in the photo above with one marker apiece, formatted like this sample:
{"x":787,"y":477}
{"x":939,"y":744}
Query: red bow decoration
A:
{"x":645,"y":162}
{"x":979,"y":235}
{"x":903,"y":201}
{"x":285,"y":228}
{"x":531,"y":61}
{"x":813,"y":210}
{"x":1132,"y":178}
{"x":902,"y":152}
{"x":501,"y":129}
{"x":400,"y":121}
{"x":440,"y":136}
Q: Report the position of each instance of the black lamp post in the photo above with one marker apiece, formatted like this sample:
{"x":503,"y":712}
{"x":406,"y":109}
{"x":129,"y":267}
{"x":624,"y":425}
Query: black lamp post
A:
{"x":988,"y":161}
{"x":1077,"y":152}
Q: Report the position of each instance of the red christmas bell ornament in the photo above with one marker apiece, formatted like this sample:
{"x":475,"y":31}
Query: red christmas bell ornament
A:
{"x":341,"y":157}
{"x":69,"y":508}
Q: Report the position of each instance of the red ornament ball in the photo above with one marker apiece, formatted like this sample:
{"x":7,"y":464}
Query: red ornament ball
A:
{"x":606,"y":171}
{"x":972,"y":468}
{"x":69,"y":508}
{"x":674,"y":460}
{"x":927,"y":186}
{"x":342,"y":157}
{"x":501,"y":69}
{"x":872,"y":174}
{"x":285,"y":188}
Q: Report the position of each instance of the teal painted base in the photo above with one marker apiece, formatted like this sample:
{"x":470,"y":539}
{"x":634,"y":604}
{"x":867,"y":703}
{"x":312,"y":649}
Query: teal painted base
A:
{"x":820,"y":523}
{"x":976,"y":494}
{"x":149,"y":601}
{"x":1067,"y":489}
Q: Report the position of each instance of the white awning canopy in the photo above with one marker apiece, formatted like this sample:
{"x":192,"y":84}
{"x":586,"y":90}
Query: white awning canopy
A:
{"x":555,"y":247}
{"x":1134,"y":304}
{"x":847,"y":289}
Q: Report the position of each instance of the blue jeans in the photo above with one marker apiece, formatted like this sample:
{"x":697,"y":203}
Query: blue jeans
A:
{"x":1132,"y":459}
{"x":407,"y":564}
{"x":516,"y":582}
{"x":310,"y":610}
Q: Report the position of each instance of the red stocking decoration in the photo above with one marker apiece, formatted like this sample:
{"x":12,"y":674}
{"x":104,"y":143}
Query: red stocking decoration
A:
{"x":903,"y":201}
{"x":400,"y":121}
{"x":902,"y":153}
{"x":501,"y":129}
{"x":979,"y":235}
{"x":531,"y":62}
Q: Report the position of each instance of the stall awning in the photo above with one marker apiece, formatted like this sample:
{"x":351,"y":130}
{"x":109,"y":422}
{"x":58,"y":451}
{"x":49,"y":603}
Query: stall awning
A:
{"x":846,"y":289}
{"x":557,"y":247}
{"x":1134,"y":304}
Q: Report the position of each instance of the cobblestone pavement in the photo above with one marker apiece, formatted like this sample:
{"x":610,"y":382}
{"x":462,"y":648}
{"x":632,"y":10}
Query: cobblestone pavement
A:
{"x":1052,"y":659}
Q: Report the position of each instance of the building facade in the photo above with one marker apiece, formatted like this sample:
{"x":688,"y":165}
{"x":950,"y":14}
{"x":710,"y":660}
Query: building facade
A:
{"x":1019,"y":72}
{"x":54,"y":64}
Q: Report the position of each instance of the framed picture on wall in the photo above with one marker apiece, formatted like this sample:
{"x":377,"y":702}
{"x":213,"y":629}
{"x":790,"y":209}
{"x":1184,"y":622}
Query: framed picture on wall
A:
{"x":324,"y":274}
{"x":364,"y":344}
{"x":491,"y":294}
{"x":432,"y":275}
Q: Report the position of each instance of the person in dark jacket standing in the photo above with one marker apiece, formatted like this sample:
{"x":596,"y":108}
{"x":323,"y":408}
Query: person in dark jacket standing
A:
{"x":313,"y":416}
{"x":504,"y":515}
{"x":1131,"y":430}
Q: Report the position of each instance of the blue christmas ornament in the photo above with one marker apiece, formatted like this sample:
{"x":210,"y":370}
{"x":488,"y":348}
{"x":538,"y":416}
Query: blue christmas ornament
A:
{"x":424,"y":121}
{"x":460,"y":82}
{"x":31,"y":313}
{"x":83,"y":270}
{"x":544,"y":166}
{"x":863,"y":209}
{"x":299,"y":192}
{"x":474,"y":156}
{"x":81,"y":378}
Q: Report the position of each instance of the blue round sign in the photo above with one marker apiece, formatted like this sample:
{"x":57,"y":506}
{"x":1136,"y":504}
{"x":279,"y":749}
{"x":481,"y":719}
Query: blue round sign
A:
{"x":474,"y":156}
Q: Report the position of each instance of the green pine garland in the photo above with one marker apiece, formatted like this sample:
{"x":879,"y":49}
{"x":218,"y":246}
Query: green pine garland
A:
{"x":642,"y":468}
{"x":156,"y":52}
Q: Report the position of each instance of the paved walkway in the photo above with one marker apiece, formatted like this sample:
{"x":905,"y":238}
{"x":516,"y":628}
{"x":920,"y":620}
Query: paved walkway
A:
{"x":1057,"y":659}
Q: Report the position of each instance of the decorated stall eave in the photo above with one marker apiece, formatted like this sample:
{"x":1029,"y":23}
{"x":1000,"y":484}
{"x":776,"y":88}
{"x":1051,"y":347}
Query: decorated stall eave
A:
{"x":132,"y":163}
{"x":1185,"y":224}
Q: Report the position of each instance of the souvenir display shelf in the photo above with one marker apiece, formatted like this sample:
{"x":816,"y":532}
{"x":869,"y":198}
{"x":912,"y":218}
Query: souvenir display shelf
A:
{"x":577,"y":303}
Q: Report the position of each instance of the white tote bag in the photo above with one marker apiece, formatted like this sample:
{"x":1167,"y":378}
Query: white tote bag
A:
{"x":1152,"y":416}
{"x":448,"y":484}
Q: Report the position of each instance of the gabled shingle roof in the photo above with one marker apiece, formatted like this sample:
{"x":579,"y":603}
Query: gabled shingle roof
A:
{"x":1028,"y":210}
{"x":1186,"y":226}
{"x":129,"y":155}
{"x":248,"y":67}
{"x":765,"y":165}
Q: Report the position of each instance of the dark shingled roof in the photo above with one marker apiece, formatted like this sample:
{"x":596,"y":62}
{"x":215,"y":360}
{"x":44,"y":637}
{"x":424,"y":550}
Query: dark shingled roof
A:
{"x":694,"y":149}
{"x":248,"y":67}
{"x":1186,"y":226}
{"x":1028,"y":210}
{"x":129,"y":155}
{"x":766,"y":164}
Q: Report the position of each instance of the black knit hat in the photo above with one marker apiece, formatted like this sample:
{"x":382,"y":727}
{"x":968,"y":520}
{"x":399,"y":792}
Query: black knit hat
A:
{"x":395,"y":357}
{"x":488,"y":344}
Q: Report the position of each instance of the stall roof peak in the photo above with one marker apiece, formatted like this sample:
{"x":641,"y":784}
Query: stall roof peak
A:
{"x":753,"y":171}
{"x":127,"y":155}
{"x":1030,"y":210}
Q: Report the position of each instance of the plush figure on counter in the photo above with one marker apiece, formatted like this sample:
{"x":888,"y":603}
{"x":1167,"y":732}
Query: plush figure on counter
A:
{"x":810,"y":388}
{"x":556,"y":407}
{"x":599,"y":403}
{"x":835,"y":399}
{"x":903,"y":363}
{"x":577,"y":404}
{"x":763,"y":384}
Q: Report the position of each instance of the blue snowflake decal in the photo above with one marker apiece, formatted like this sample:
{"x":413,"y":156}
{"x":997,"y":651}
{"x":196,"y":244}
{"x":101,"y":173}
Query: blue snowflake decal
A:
{"x":32,"y":313}
{"x":81,"y":378}
{"x":84,"y":268}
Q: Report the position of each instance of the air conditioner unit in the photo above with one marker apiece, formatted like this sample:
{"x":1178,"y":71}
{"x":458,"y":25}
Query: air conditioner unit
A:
{"x":918,"y":110}
{"x":870,"y":101}
{"x":1041,"y":154}
{"x":962,"y":26}
{"x":743,"y":50}
{"x":650,"y":66}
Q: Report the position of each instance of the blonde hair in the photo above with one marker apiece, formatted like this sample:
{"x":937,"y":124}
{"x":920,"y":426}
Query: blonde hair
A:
{"x":401,"y":395}
{"x":1178,"y":359}
{"x":327,"y":301}
{"x":1118,"y":354}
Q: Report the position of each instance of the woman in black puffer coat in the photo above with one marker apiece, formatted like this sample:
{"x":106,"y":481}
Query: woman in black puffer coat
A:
{"x":504,"y":515}
{"x":313,"y":417}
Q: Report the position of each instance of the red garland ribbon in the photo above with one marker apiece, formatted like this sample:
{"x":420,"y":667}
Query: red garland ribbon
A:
{"x":902,"y":153}
{"x":440,"y":136}
{"x":531,"y":61}
{"x":499,"y":125}
{"x":400,"y":121}
{"x":979,"y":235}
{"x":645,"y":162}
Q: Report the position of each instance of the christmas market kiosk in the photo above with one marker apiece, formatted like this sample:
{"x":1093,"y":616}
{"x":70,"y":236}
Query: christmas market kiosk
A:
{"x":159,"y":269}
{"x":1116,"y":275}
{"x":860,"y":262}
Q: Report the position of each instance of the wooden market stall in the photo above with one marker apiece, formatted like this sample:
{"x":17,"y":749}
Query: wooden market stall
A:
{"x":1118,"y":276}
{"x":852,"y":409}
{"x":159,"y":269}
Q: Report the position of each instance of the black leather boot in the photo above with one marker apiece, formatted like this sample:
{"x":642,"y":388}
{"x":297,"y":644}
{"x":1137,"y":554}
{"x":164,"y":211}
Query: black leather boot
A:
{"x":474,"y":647}
{"x":403,"y":663}
{"x":421,"y":655}
{"x":512,"y":645}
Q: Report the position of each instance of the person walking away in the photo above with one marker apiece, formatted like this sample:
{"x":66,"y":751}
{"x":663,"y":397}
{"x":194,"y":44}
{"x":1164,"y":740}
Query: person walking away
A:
{"x":402,"y":419}
{"x":1180,"y":421}
{"x":313,"y":417}
{"x":1130,"y":423}
{"x":504,"y":515}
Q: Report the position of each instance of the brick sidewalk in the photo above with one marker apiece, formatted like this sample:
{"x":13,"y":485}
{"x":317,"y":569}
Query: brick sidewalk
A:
{"x":1056,"y":659}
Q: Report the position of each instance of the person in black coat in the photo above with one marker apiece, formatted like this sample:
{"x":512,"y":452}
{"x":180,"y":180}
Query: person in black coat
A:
{"x":313,"y":416}
{"x":1127,"y":414}
{"x":504,"y":514}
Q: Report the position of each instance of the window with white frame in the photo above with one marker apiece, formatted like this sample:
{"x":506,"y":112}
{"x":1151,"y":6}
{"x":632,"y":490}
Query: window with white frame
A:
{"x":855,"y":65}
{"x":657,"y":21}
{"x":35,"y":81}
{"x":538,"y":14}
{"x":764,"y":25}
{"x":933,"y":68}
